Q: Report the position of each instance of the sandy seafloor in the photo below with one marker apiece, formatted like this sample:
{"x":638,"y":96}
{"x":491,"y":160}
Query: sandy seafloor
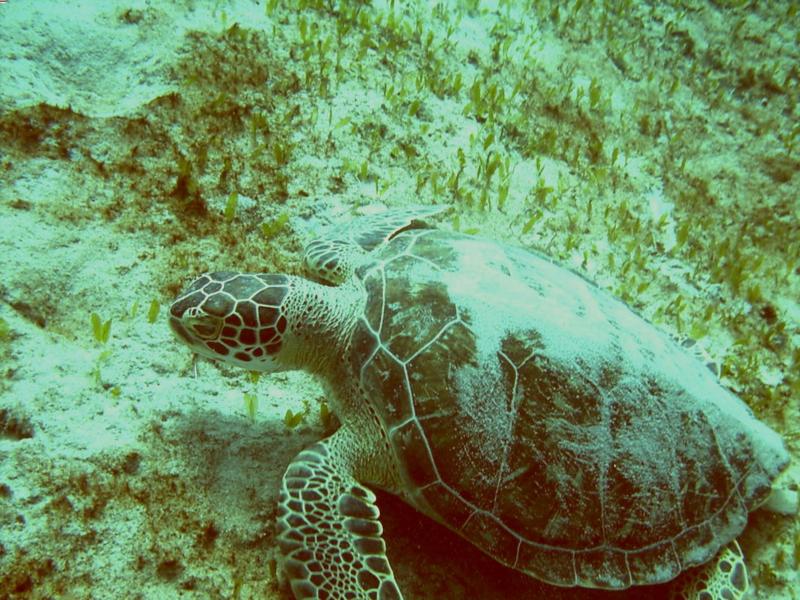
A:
{"x":653,"y":147}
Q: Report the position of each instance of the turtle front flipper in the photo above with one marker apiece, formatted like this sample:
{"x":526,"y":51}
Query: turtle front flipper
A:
{"x":332,"y":257}
{"x":329,"y":531}
{"x":722,"y":578}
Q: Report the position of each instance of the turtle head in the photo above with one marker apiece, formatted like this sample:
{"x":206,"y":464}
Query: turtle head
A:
{"x":234,"y":317}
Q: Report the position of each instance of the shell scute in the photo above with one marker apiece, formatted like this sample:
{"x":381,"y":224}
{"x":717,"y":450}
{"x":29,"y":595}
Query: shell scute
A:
{"x":373,"y":311}
{"x":409,"y":441}
{"x":443,"y":501}
{"x":547,"y":563}
{"x":410,"y":326}
{"x":387,"y":374}
{"x":482,"y":529}
{"x":656,"y":563}
{"x":432,"y":372}
{"x":431,"y":250}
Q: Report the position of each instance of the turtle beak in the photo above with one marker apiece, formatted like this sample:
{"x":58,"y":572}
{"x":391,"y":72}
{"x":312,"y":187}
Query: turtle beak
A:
{"x":180,"y":331}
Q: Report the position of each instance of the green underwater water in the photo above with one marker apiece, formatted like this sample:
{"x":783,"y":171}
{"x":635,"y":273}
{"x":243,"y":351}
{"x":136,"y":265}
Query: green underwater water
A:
{"x":649,"y":146}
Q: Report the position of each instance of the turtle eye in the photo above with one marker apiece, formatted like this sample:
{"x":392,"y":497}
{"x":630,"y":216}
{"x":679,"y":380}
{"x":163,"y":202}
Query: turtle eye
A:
{"x":206,"y":327}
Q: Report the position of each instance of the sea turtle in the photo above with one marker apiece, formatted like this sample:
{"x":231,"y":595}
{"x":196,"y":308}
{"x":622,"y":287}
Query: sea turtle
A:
{"x":502,"y":395}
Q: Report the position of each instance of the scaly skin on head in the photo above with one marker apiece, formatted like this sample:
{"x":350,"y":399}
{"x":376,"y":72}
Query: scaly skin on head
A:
{"x":266,"y":322}
{"x":273,"y":323}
